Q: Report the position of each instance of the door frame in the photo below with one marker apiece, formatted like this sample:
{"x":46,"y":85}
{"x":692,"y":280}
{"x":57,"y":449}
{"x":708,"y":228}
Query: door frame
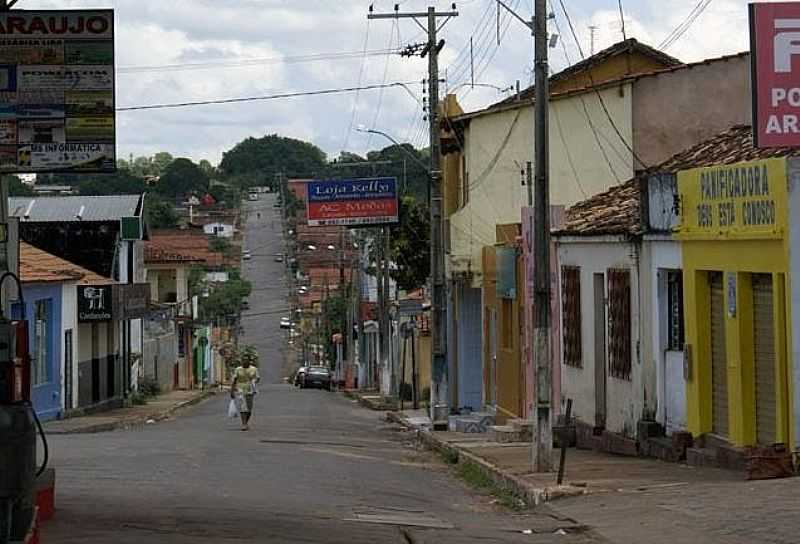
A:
{"x":600,"y":350}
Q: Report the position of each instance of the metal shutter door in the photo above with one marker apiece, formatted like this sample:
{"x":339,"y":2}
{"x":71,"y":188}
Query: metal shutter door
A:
{"x":764,"y":344}
{"x":719,"y":359}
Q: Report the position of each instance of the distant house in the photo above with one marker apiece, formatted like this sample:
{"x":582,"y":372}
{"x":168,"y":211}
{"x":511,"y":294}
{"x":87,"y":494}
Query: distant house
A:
{"x":222,"y":230}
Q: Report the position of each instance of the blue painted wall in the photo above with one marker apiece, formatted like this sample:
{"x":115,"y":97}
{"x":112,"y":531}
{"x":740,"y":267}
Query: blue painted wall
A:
{"x":46,"y":396}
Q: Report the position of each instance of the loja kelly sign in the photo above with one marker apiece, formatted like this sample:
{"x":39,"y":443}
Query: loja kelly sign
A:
{"x":775,"y":61}
{"x":353,"y":202}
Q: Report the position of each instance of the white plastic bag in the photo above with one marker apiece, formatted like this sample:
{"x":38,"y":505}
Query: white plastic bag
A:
{"x":254,"y":387}
{"x":233,"y":408}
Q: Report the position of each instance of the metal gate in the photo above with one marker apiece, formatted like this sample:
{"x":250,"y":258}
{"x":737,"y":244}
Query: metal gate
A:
{"x":764,"y":351}
{"x":719,"y":359}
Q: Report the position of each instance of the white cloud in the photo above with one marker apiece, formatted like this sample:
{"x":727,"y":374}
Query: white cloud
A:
{"x":165,"y":32}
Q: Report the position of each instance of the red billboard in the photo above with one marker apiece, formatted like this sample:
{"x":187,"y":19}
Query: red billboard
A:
{"x":775,"y":63}
{"x":352,"y":202}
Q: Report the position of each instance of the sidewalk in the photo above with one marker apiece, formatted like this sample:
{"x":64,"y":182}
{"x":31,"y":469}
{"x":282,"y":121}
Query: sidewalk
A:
{"x":587,"y":472}
{"x":156,"y":409}
{"x":630,"y":499}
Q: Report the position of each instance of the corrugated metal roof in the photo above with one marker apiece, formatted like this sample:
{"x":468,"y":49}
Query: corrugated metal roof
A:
{"x":52,"y":209}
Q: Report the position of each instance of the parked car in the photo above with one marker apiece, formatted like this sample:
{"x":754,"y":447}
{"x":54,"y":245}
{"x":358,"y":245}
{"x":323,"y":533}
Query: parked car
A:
{"x":286,"y":323}
{"x":246,"y":255}
{"x":279,"y":257}
{"x":318,"y":377}
{"x":299,"y":376}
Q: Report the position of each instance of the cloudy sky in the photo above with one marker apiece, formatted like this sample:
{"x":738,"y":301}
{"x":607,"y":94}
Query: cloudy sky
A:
{"x":192,"y":50}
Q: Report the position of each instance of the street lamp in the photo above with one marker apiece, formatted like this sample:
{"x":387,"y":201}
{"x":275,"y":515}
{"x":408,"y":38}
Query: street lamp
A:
{"x":362,"y":128}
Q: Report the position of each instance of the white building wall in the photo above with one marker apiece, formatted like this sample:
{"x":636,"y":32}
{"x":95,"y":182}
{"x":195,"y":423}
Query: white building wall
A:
{"x":497,"y":146}
{"x":624,"y":398}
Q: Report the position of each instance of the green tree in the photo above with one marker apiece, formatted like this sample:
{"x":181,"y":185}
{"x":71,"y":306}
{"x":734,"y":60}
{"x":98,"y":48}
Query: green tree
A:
{"x":182,"y":177}
{"x":256,"y":160}
{"x":208,"y":168}
{"x":334,"y":319}
{"x":224,"y":300}
{"x":16,"y":187}
{"x":160,"y":162}
{"x":226,"y":195}
{"x":410,"y":245}
{"x":161,"y":214}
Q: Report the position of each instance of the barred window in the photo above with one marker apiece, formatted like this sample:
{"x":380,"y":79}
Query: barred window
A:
{"x":675,"y":333}
{"x":619,"y":323}
{"x":571,"y":314}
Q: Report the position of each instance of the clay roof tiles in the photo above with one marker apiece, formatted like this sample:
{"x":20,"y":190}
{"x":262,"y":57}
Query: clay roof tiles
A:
{"x":37,"y":266}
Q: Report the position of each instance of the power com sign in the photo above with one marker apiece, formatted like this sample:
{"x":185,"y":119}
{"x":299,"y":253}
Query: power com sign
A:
{"x":775,"y":62}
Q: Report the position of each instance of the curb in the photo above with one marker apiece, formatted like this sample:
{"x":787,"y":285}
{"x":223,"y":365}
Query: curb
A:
{"x":135,"y":421}
{"x":531,"y":494}
{"x":378,"y":406}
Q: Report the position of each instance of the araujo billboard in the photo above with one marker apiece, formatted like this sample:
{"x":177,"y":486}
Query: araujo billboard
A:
{"x":352,"y":202}
{"x":57,"y":91}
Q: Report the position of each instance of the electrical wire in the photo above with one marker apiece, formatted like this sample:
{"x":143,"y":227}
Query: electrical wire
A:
{"x":277,"y":96}
{"x":375,"y":118}
{"x":358,"y":93}
{"x":678,"y":32}
{"x":296,"y":59}
{"x":597,"y":91}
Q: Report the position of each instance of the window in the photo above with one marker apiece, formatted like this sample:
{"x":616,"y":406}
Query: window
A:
{"x":41,"y":338}
{"x":571,"y":314}
{"x":675,"y":333}
{"x":507,"y":319}
{"x":619,"y":323}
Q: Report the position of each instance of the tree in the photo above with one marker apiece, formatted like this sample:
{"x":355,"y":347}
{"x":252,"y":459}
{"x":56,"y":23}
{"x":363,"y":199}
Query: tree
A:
{"x":16,"y":187}
{"x":160,"y":213}
{"x":256,"y":160}
{"x":224,"y":300}
{"x":226,"y":195}
{"x":208,"y":168}
{"x":334,"y":314}
{"x":182,"y":177}
{"x":410,"y":245}
{"x":160,"y":162}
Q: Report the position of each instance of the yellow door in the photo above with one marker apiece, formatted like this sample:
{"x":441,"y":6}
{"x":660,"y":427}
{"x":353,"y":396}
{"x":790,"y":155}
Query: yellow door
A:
{"x":719,"y":359}
{"x":764,"y":350}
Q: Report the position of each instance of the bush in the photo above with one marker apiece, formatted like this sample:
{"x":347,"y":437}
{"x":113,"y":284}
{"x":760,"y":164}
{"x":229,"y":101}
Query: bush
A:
{"x":148,"y":387}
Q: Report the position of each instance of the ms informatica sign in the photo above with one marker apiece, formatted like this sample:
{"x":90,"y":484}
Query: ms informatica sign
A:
{"x":352,"y":202}
{"x":775,"y":62}
{"x":57,"y":91}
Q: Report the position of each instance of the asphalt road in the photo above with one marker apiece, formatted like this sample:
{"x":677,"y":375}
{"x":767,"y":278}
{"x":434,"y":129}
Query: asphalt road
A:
{"x":268,"y":278}
{"x":315,"y":467}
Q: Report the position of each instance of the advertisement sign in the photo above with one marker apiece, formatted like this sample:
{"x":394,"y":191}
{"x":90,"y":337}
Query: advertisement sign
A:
{"x":743,"y":200}
{"x":353,"y":202}
{"x":131,"y":301}
{"x":95,"y":303}
{"x":57,"y":87}
{"x":775,"y":65}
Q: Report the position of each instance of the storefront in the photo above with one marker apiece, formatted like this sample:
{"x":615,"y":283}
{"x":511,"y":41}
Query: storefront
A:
{"x":737,"y":299}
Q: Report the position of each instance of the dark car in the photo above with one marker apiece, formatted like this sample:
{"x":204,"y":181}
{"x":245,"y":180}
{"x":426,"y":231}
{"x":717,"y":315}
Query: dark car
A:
{"x":318,"y":377}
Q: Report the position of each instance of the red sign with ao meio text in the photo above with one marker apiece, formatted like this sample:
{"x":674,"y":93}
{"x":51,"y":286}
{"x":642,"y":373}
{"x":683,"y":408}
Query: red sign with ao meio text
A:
{"x":775,"y":60}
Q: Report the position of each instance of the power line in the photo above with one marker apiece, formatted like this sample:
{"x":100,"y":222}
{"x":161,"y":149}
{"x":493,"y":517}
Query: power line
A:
{"x":597,"y":91}
{"x":320,"y":92}
{"x":684,"y":26}
{"x":375,"y":118}
{"x":297,"y":59}
{"x":358,"y":93}
{"x":622,"y":19}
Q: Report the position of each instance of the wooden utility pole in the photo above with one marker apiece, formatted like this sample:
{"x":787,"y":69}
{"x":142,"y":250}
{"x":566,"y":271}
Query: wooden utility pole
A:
{"x":440,"y":409}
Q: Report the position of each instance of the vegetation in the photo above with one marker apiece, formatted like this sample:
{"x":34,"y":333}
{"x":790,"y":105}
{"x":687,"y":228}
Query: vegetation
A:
{"x":16,"y":187}
{"x":225,"y":300}
{"x":334,"y":312}
{"x":161,"y":213}
{"x":183,"y":177}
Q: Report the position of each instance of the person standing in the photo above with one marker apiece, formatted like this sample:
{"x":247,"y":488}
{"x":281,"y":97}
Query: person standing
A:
{"x":245,"y":378}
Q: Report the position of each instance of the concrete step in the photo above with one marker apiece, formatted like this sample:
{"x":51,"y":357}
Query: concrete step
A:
{"x":467,"y":424}
{"x":524,"y":427}
{"x":504,"y":434}
{"x":702,"y":457}
{"x":661,"y":448}
{"x":486,"y":419}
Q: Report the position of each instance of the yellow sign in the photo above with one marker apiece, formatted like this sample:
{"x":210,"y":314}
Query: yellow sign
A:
{"x":741,"y":200}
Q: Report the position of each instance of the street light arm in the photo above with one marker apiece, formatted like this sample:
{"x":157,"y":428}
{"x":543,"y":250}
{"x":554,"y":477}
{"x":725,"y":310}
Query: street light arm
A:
{"x":395,"y":142}
{"x":529,"y":24}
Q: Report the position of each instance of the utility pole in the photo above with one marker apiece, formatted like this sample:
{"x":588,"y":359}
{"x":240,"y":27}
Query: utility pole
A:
{"x":440,"y":409}
{"x":543,"y":448}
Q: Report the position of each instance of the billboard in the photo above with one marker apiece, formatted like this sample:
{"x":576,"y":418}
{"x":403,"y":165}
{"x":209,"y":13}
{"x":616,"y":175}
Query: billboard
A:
{"x":775,"y":65}
{"x":57,"y":91}
{"x":352,"y":202}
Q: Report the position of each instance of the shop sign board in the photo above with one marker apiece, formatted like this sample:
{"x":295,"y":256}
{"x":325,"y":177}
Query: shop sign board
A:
{"x":95,"y":303}
{"x":775,"y":72}
{"x":57,"y":89}
{"x":742,"y":200}
{"x":364,"y":202}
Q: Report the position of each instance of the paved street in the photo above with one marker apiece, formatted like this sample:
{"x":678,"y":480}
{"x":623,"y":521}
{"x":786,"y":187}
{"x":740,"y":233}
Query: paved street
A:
{"x":268,"y":299}
{"x":314,"y":468}
{"x":312,"y":462}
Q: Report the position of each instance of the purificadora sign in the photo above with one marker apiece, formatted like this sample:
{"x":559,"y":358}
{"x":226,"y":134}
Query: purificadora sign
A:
{"x":746,"y":199}
{"x":57,"y":91}
{"x":352,"y":202}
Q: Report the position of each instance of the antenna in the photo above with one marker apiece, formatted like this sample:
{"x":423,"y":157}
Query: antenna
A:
{"x":592,"y":31}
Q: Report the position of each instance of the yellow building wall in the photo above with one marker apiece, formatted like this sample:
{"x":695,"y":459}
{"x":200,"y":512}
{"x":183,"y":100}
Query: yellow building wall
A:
{"x":612,"y":68}
{"x":733,"y":224}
